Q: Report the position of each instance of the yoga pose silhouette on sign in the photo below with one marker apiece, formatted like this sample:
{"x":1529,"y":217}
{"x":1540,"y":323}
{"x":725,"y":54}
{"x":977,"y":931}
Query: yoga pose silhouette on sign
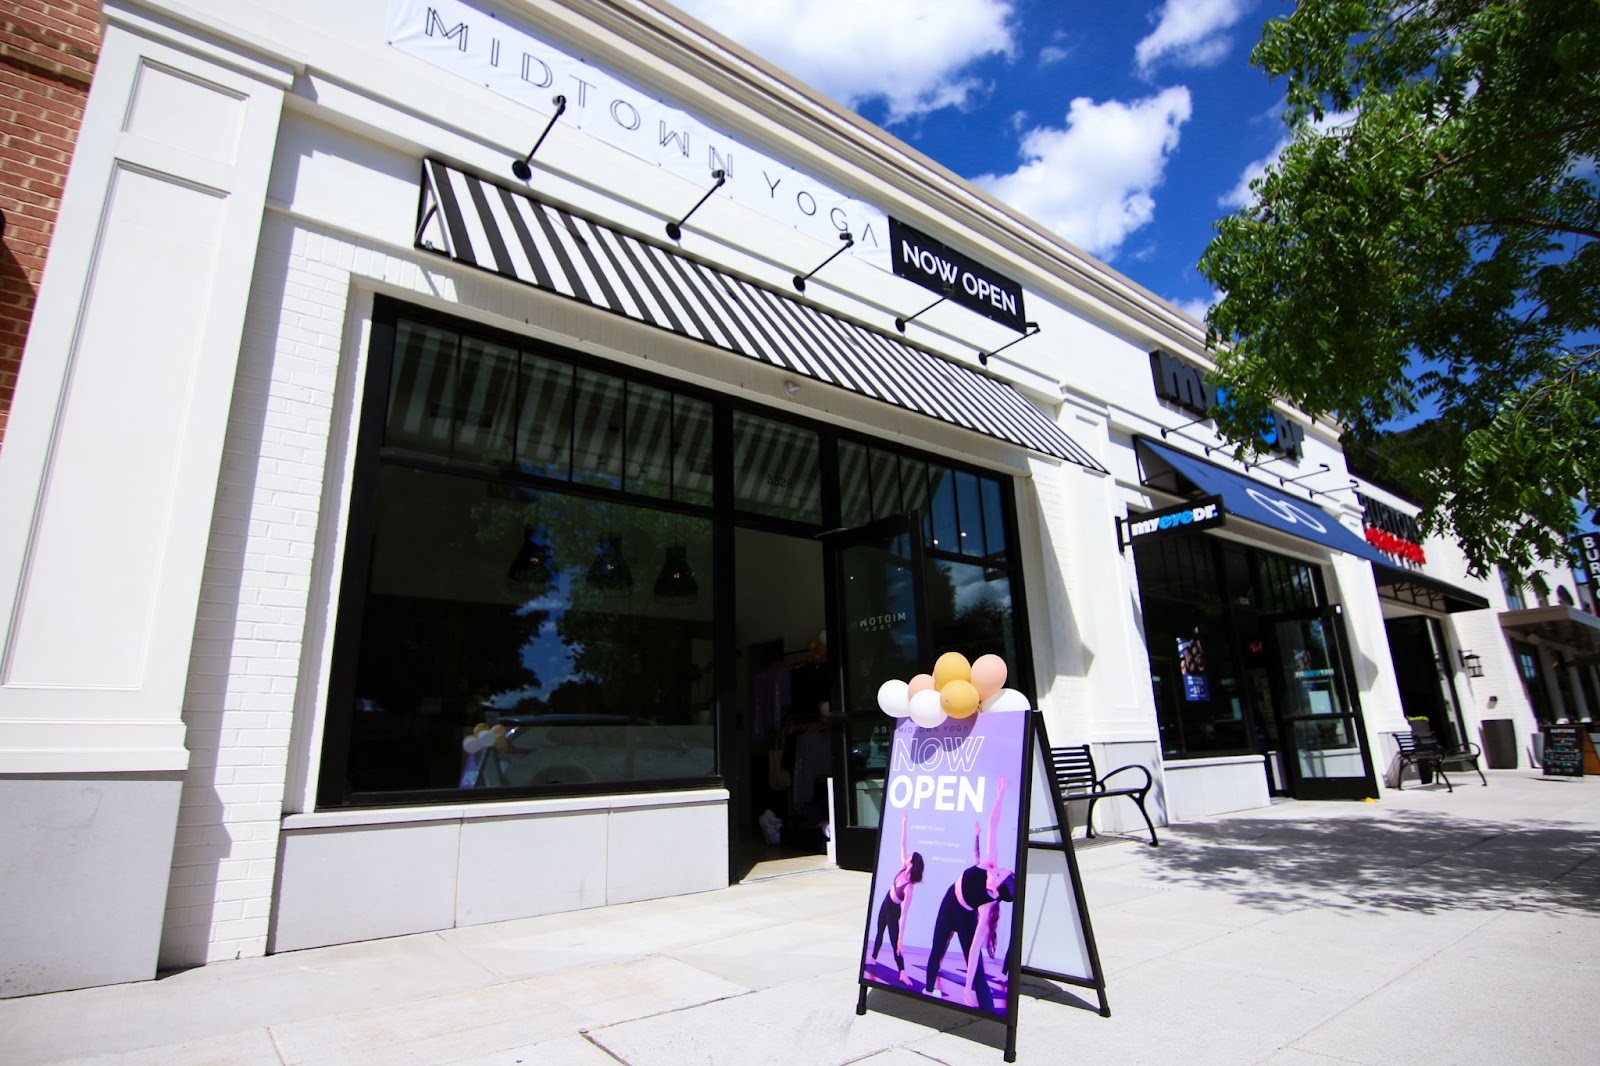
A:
{"x":896,"y":903}
{"x":972,"y":901}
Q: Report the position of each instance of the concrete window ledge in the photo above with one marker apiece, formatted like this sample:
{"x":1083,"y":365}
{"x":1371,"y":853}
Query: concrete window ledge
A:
{"x":1221,"y":760}
{"x":358,"y":816}
{"x":354,"y":875}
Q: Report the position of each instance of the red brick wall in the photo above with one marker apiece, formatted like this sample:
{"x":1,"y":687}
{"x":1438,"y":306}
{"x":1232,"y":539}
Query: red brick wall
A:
{"x":47,"y":55}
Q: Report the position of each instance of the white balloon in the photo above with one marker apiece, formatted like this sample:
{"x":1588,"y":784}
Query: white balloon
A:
{"x":471,"y":744}
{"x":1007,"y":699}
{"x":925,"y":709}
{"x":893,"y":699}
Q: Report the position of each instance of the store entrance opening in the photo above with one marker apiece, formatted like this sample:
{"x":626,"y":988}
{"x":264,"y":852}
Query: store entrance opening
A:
{"x":1416,"y":647}
{"x":777,"y":748}
{"x":1319,"y":720}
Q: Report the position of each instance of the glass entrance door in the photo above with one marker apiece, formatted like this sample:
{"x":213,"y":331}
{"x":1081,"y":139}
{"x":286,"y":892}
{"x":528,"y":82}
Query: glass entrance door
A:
{"x":878,"y":627}
{"x":1319,"y":720}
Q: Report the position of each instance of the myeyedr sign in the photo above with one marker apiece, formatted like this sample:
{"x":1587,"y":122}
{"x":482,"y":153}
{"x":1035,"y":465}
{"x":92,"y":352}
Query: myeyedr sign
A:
{"x":1206,"y":513}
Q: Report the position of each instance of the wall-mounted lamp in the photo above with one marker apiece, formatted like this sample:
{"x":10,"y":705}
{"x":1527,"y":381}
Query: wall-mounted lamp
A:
{"x":1352,"y":487}
{"x":800,"y":279}
{"x":1192,"y":422}
{"x":1258,"y":464}
{"x":1028,"y":330}
{"x":900,"y":323}
{"x":1321,"y":468}
{"x":1472,"y":664}
{"x":521,"y":168}
{"x":675,"y":229}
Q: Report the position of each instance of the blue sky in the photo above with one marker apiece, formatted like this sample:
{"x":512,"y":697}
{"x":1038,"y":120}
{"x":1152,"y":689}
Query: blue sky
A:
{"x":1126,"y":127}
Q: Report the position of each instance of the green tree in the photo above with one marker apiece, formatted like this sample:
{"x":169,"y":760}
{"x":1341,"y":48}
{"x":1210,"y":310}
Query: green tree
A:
{"x":1426,"y":244}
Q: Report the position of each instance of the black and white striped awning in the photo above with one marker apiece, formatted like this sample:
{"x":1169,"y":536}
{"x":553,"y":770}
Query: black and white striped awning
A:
{"x":486,"y":225}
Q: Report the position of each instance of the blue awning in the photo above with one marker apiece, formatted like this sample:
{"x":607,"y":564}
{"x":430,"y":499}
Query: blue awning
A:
{"x":1256,"y":502}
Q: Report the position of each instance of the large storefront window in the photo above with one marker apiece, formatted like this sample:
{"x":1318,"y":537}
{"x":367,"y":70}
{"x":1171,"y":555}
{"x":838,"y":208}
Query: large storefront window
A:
{"x":538,"y":601}
{"x":534,"y":620}
{"x":530,"y":603}
{"x":1204,"y":602}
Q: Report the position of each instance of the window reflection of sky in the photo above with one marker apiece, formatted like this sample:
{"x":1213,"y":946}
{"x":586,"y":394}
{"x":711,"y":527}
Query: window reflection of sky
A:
{"x":547,"y":655}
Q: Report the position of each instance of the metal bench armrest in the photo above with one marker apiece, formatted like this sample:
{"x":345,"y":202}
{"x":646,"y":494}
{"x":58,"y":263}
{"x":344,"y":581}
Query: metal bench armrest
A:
{"x":1148,"y":781}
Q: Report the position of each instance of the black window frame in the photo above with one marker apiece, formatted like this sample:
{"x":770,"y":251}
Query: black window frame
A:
{"x":1266,"y":570}
{"x":371,"y":455}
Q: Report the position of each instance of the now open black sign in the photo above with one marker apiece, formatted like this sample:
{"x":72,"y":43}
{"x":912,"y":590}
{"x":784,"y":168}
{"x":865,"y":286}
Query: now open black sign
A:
{"x":931,"y":264}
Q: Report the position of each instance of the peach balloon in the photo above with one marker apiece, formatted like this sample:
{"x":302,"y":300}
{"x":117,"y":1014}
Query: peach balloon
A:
{"x":919,"y":683}
{"x":959,"y":699}
{"x":989,"y":675}
{"x":952,"y":666}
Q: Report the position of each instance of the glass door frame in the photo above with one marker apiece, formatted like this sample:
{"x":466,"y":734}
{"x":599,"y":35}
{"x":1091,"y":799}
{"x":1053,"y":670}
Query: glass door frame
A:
{"x":855,"y":847}
{"x":1301,"y":786}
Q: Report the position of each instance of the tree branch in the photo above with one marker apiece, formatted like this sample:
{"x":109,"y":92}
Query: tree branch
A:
{"x":1542,"y":223}
{"x":1446,"y":163}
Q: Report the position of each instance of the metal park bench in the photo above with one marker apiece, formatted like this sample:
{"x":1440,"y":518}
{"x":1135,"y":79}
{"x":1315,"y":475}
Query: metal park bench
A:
{"x":1423,"y":750}
{"x":1075,"y":774}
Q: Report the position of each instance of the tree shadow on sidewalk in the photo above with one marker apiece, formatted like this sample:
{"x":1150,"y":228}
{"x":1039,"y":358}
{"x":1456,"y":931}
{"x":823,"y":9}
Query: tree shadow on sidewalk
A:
{"x":1405,"y":860}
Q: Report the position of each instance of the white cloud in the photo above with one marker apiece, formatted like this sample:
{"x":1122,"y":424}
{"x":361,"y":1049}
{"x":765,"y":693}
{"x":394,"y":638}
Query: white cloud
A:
{"x":1091,"y":181}
{"x":910,"y":54}
{"x":1198,"y":307}
{"x":1191,"y":33}
{"x":1241,"y":195}
{"x":1052,"y":54}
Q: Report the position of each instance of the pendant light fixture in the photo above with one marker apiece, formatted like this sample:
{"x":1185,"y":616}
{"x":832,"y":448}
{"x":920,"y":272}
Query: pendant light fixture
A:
{"x":676,"y":583}
{"x":531,"y":565}
{"x":610,"y":572}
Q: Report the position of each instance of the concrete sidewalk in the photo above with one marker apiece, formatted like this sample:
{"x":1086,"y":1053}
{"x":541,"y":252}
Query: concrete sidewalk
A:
{"x":1428,"y":927}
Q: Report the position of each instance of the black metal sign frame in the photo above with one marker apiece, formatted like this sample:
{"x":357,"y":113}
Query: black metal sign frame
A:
{"x":1208,"y":512}
{"x":1031,"y":930}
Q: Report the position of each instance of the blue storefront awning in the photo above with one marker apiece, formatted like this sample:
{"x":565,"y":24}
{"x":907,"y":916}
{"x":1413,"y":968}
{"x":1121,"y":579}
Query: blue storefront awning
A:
{"x":1256,"y":502}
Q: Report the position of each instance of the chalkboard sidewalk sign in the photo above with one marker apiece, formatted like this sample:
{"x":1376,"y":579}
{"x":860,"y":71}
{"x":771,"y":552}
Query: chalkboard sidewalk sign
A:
{"x":975,"y":883}
{"x":1563,"y":751}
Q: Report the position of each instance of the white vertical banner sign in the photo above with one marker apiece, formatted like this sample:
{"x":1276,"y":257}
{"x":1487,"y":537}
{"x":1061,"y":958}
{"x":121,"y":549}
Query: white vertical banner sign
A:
{"x":494,"y":51}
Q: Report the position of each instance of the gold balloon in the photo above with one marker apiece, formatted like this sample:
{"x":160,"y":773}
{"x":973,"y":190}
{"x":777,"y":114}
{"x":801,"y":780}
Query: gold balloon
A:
{"x":952,"y":666}
{"x":959,"y":699}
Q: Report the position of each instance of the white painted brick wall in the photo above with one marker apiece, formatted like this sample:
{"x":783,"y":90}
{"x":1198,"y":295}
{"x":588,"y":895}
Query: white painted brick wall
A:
{"x":245,"y":663}
{"x":246,"y":676}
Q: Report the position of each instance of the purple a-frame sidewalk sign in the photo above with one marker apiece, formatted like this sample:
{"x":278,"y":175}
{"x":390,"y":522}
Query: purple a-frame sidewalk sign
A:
{"x":976,"y":882}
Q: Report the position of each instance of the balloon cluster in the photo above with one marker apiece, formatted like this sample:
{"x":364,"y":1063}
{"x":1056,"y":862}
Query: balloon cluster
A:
{"x":955,"y":689}
{"x":485,"y":737}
